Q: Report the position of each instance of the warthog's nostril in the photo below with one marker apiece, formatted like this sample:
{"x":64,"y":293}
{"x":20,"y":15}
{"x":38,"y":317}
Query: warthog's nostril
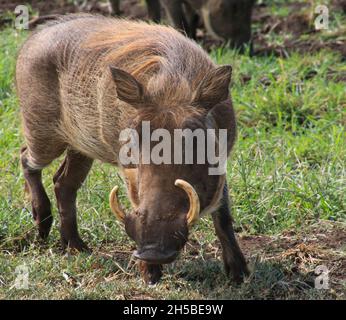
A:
{"x":155,"y":256}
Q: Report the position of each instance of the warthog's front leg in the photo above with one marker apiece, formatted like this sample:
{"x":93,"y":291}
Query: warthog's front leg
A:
{"x":233,"y":258}
{"x":68,"y":180}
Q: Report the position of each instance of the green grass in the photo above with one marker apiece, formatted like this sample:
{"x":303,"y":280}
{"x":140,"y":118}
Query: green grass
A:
{"x":286,"y":172}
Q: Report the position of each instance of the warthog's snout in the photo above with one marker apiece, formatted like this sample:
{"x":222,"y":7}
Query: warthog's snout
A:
{"x":154,"y":255}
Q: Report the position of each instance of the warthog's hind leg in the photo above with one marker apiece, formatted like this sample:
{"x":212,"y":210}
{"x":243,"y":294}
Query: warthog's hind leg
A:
{"x":154,"y":10}
{"x":40,"y":203}
{"x":233,"y":258}
{"x":67,"y":180}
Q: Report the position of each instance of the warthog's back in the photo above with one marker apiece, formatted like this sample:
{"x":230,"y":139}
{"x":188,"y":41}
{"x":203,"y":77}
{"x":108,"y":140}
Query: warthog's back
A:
{"x":71,"y":58}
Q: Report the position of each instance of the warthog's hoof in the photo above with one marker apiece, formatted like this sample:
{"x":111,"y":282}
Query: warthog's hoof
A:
{"x":75,"y":245}
{"x":43,"y":231}
{"x":236,"y":271}
{"x":44,"y":224}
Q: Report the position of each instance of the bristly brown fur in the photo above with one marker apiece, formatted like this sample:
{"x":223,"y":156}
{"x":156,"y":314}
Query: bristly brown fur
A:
{"x":79,"y":50}
{"x":168,"y":63}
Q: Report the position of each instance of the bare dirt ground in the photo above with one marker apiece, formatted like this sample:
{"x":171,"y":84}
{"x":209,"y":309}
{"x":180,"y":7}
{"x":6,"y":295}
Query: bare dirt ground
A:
{"x":299,"y":25}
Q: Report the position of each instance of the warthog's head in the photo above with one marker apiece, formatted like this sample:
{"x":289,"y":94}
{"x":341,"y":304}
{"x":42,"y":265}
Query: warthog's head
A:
{"x":229,"y":20}
{"x":168,"y":198}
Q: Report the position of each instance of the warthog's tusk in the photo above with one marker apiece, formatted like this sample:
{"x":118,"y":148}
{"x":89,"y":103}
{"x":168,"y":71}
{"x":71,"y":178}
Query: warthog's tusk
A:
{"x":193,"y":214}
{"x":114,"y":204}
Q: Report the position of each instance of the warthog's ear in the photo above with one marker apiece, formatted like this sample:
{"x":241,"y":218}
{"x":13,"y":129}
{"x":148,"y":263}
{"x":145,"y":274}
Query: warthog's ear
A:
{"x":214,"y":88}
{"x":222,"y":116}
{"x":128,"y":88}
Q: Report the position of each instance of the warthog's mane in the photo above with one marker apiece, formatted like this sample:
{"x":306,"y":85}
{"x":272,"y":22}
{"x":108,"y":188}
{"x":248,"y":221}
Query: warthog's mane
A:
{"x":168,"y":64}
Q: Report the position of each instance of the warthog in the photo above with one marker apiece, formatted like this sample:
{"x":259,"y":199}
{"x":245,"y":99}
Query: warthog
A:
{"x":81,"y":80}
{"x":154,"y":9}
{"x":227,"y":20}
